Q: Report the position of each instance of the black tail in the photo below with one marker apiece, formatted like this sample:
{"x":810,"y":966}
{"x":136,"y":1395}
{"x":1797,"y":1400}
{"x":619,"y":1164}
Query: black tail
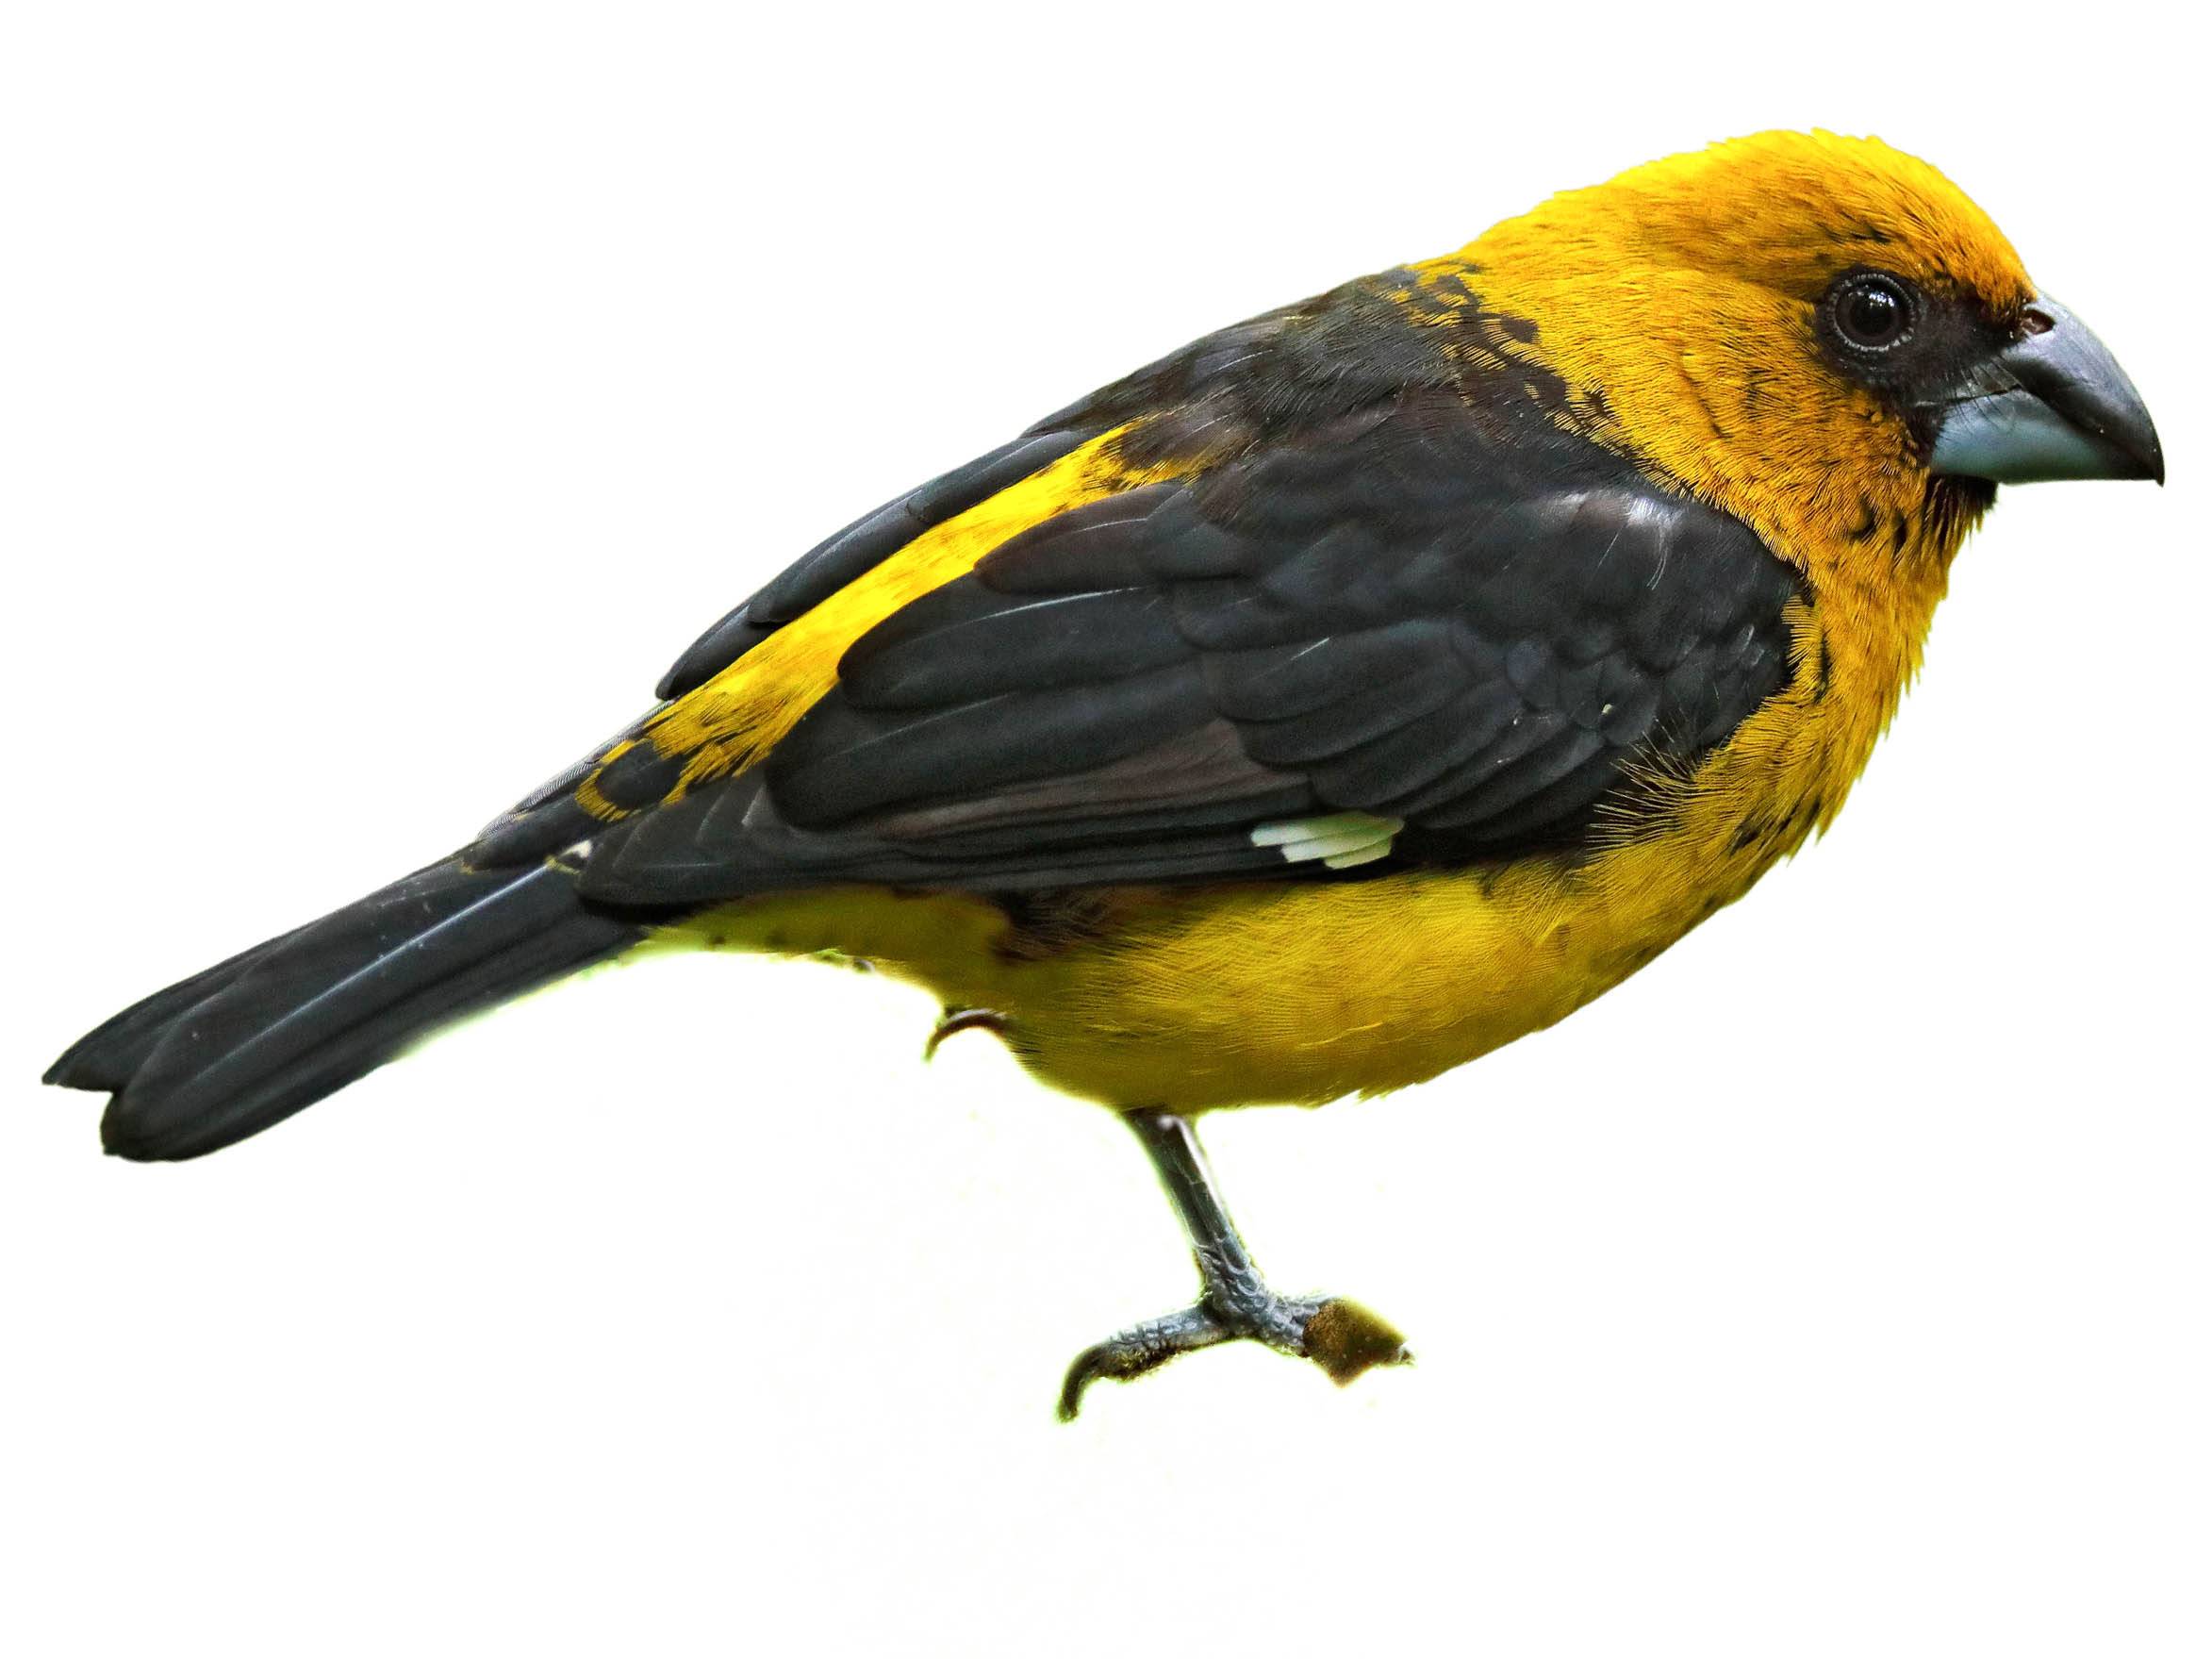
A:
{"x":248,"y":1042}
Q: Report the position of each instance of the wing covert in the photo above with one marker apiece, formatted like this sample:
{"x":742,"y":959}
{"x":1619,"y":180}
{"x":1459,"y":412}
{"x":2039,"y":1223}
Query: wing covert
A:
{"x":1391,"y":611}
{"x":858,"y":548}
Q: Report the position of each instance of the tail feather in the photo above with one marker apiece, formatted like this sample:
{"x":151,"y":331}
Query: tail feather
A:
{"x":104,"y":1057}
{"x":243,"y":1045}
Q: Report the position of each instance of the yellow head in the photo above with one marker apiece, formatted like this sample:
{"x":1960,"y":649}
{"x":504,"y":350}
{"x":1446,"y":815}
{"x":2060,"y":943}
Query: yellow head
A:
{"x":1784,"y":211}
{"x":1786,"y":324}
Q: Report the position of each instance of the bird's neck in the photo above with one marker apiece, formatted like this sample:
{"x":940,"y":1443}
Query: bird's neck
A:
{"x":1875,"y":581}
{"x":1857,"y":642}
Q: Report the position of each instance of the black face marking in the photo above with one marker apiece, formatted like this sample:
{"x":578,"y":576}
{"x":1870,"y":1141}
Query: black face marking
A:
{"x":1909,"y":343}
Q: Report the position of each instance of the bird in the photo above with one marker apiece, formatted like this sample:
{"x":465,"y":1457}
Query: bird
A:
{"x":1357,"y":689}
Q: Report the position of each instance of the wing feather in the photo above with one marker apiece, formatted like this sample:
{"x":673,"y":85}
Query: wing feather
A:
{"x":1327,"y":566}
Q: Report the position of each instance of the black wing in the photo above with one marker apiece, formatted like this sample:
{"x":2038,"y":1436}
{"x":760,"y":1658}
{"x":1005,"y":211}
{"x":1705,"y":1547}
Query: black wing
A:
{"x":1472,"y":625}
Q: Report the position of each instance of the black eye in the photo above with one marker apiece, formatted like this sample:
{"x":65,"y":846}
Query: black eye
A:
{"x":1874,"y":312}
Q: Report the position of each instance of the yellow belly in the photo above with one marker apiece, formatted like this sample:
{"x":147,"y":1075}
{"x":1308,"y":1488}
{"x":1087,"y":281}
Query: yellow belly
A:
{"x":1196,"y":998}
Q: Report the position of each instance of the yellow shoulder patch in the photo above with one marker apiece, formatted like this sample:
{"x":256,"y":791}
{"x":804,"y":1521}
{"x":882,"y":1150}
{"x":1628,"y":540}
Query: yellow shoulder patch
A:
{"x":737,"y":717}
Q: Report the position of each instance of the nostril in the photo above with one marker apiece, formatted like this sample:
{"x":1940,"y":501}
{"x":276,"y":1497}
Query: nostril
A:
{"x":2035,"y":320}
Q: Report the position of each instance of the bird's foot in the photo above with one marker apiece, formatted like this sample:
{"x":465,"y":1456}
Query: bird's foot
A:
{"x":1342,"y":1337}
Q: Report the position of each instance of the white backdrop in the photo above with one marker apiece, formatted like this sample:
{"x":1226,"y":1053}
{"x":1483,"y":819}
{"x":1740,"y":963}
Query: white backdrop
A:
{"x":390,"y":391}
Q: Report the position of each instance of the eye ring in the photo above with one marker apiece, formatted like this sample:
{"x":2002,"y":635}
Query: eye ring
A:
{"x":1873,"y":313}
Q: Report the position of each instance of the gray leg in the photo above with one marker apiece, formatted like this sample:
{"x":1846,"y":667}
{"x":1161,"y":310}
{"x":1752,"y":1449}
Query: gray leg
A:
{"x":1234,"y":1302}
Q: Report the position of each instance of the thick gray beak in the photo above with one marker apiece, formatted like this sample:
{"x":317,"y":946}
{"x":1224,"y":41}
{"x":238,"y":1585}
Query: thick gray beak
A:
{"x":2052,"y":405}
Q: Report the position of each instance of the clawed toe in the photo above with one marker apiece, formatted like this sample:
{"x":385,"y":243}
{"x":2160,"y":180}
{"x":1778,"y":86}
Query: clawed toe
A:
{"x":1345,"y":1340}
{"x":1131,"y":1354}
